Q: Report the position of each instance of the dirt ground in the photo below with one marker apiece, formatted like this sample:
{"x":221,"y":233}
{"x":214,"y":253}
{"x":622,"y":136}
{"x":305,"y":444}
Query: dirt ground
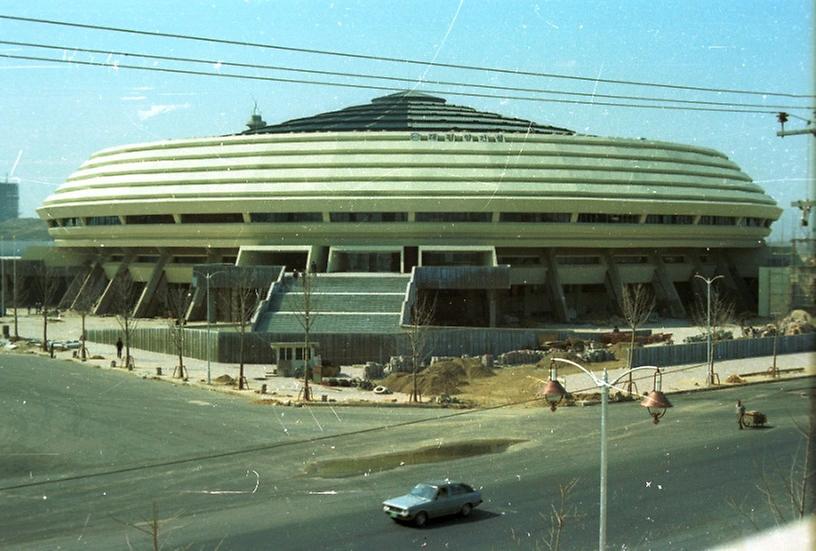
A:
{"x":469,"y":382}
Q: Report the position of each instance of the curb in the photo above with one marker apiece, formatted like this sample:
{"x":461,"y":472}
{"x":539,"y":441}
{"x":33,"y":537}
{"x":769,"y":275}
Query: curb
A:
{"x":739,"y":385}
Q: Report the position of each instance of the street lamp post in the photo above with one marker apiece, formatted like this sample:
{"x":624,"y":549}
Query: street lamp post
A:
{"x":208,"y":276}
{"x":709,"y":351}
{"x":655,"y":402}
{"x":3,"y":276}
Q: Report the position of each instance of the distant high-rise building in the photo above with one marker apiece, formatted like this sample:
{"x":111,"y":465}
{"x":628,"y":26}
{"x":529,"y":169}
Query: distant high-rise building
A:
{"x":9,"y":200}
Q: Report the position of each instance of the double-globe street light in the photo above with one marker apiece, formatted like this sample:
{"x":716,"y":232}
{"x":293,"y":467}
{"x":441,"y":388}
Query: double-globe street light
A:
{"x":710,"y":350}
{"x":655,"y":402}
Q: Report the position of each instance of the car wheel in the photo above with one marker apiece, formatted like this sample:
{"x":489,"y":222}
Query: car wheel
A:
{"x":466,"y":509}
{"x":421,"y":519}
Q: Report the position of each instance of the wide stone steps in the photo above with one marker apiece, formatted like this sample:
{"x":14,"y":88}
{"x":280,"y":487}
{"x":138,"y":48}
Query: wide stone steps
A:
{"x":283,"y":322}
{"x":329,"y":302}
{"x":359,"y":303}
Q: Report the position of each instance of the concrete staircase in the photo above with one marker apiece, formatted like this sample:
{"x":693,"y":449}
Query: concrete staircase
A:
{"x":349,"y":303}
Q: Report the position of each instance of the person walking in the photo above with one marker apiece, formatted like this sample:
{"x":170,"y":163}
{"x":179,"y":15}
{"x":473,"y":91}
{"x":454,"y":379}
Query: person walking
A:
{"x":740,"y":414}
{"x":119,"y":346}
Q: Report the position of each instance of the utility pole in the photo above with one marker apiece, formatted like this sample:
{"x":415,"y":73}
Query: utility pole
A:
{"x":807,"y":204}
{"x":802,"y":274}
{"x":3,"y":275}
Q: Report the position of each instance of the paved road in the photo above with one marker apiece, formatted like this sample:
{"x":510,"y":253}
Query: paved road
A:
{"x":84,"y":453}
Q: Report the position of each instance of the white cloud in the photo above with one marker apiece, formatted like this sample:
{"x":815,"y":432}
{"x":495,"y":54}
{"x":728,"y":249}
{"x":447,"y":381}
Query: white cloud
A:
{"x":156,"y":110}
{"x":133,"y":98}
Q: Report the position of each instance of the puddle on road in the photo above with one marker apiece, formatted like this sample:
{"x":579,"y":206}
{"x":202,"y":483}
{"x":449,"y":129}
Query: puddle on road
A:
{"x":356,"y":466}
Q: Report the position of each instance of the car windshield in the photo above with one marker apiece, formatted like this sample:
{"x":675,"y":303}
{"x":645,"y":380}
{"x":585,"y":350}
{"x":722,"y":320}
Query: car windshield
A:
{"x":423,"y":490}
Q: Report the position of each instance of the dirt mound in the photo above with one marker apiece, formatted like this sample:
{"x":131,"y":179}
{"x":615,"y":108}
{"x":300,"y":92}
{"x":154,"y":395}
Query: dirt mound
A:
{"x":224,"y":380}
{"x":444,"y":377}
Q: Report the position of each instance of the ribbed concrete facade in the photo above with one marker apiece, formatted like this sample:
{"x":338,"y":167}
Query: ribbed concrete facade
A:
{"x":554,"y":179}
{"x":409,"y":180}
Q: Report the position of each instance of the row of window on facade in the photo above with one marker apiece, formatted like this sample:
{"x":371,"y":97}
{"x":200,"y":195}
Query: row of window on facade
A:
{"x":469,"y":259}
{"x":448,"y":217}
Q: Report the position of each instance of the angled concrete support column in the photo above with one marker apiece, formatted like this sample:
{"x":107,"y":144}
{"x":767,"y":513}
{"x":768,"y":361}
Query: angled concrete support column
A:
{"x":697,"y":284}
{"x":92,"y":288}
{"x":73,"y":288}
{"x":212,"y":305}
{"x":148,"y":296}
{"x":491,"y":302}
{"x":665,"y":290}
{"x":614,"y":284}
{"x":106,"y":300}
{"x":742,"y":294}
{"x":557,"y":297}
{"x":195,"y":310}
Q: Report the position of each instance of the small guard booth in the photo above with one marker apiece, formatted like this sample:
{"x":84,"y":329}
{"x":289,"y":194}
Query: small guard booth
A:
{"x":289,"y":359}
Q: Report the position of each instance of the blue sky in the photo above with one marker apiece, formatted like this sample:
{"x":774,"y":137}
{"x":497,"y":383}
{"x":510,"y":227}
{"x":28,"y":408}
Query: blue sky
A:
{"x":57,"y":115}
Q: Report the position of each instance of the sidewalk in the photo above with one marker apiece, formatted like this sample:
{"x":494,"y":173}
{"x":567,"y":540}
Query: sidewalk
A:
{"x":286,"y":389}
{"x":679,"y":378}
{"x":279,"y":389}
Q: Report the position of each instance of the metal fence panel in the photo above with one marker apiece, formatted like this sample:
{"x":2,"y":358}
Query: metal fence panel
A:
{"x":724,"y":350}
{"x":340,"y":348}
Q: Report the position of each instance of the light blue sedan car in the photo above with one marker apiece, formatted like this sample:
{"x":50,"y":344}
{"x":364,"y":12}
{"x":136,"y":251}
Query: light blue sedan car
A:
{"x":432,"y":499}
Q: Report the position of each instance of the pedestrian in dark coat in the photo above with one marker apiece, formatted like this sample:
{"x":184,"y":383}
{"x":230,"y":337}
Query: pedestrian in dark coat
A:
{"x":119,"y":346}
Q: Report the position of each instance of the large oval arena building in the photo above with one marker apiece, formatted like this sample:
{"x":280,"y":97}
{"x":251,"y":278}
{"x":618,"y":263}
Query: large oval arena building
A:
{"x":506,"y":221}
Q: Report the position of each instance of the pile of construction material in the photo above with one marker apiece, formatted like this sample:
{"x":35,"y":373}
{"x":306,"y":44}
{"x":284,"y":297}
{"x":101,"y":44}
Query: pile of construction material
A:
{"x":600,"y":354}
{"x":522,"y":357}
{"x":797,"y":323}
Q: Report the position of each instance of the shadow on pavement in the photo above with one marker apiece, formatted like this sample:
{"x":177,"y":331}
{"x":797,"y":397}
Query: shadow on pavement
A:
{"x":477,"y":515}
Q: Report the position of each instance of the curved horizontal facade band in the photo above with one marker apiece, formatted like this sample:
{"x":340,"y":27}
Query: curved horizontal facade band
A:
{"x":383,"y":151}
{"x":690,"y":203}
{"x":338,"y":140}
{"x":377,"y":145}
{"x":363,"y":201}
{"x":614,"y":235}
{"x":483,"y":170}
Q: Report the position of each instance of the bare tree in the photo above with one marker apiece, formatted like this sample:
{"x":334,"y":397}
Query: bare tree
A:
{"x":637,"y":303}
{"x":17,"y":295}
{"x":306,"y":317}
{"x":151,"y":527}
{"x":721,"y":314}
{"x":177,"y":301}
{"x":788,"y":491}
{"x":246,"y":300}
{"x":422,"y":316}
{"x":796,"y":482}
{"x":46,"y":285}
{"x":122,"y":304}
{"x":83,"y":306}
{"x":560,"y":515}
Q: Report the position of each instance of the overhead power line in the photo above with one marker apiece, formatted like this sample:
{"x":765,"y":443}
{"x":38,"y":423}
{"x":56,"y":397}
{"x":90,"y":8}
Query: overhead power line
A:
{"x":222,"y":63}
{"x":385,"y":88}
{"x":370,"y":57}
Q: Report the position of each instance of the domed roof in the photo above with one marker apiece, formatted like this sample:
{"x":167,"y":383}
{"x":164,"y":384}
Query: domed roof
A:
{"x":409,"y":111}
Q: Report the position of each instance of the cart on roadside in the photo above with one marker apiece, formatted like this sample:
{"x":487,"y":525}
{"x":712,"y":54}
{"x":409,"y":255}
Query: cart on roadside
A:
{"x":754,"y":419}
